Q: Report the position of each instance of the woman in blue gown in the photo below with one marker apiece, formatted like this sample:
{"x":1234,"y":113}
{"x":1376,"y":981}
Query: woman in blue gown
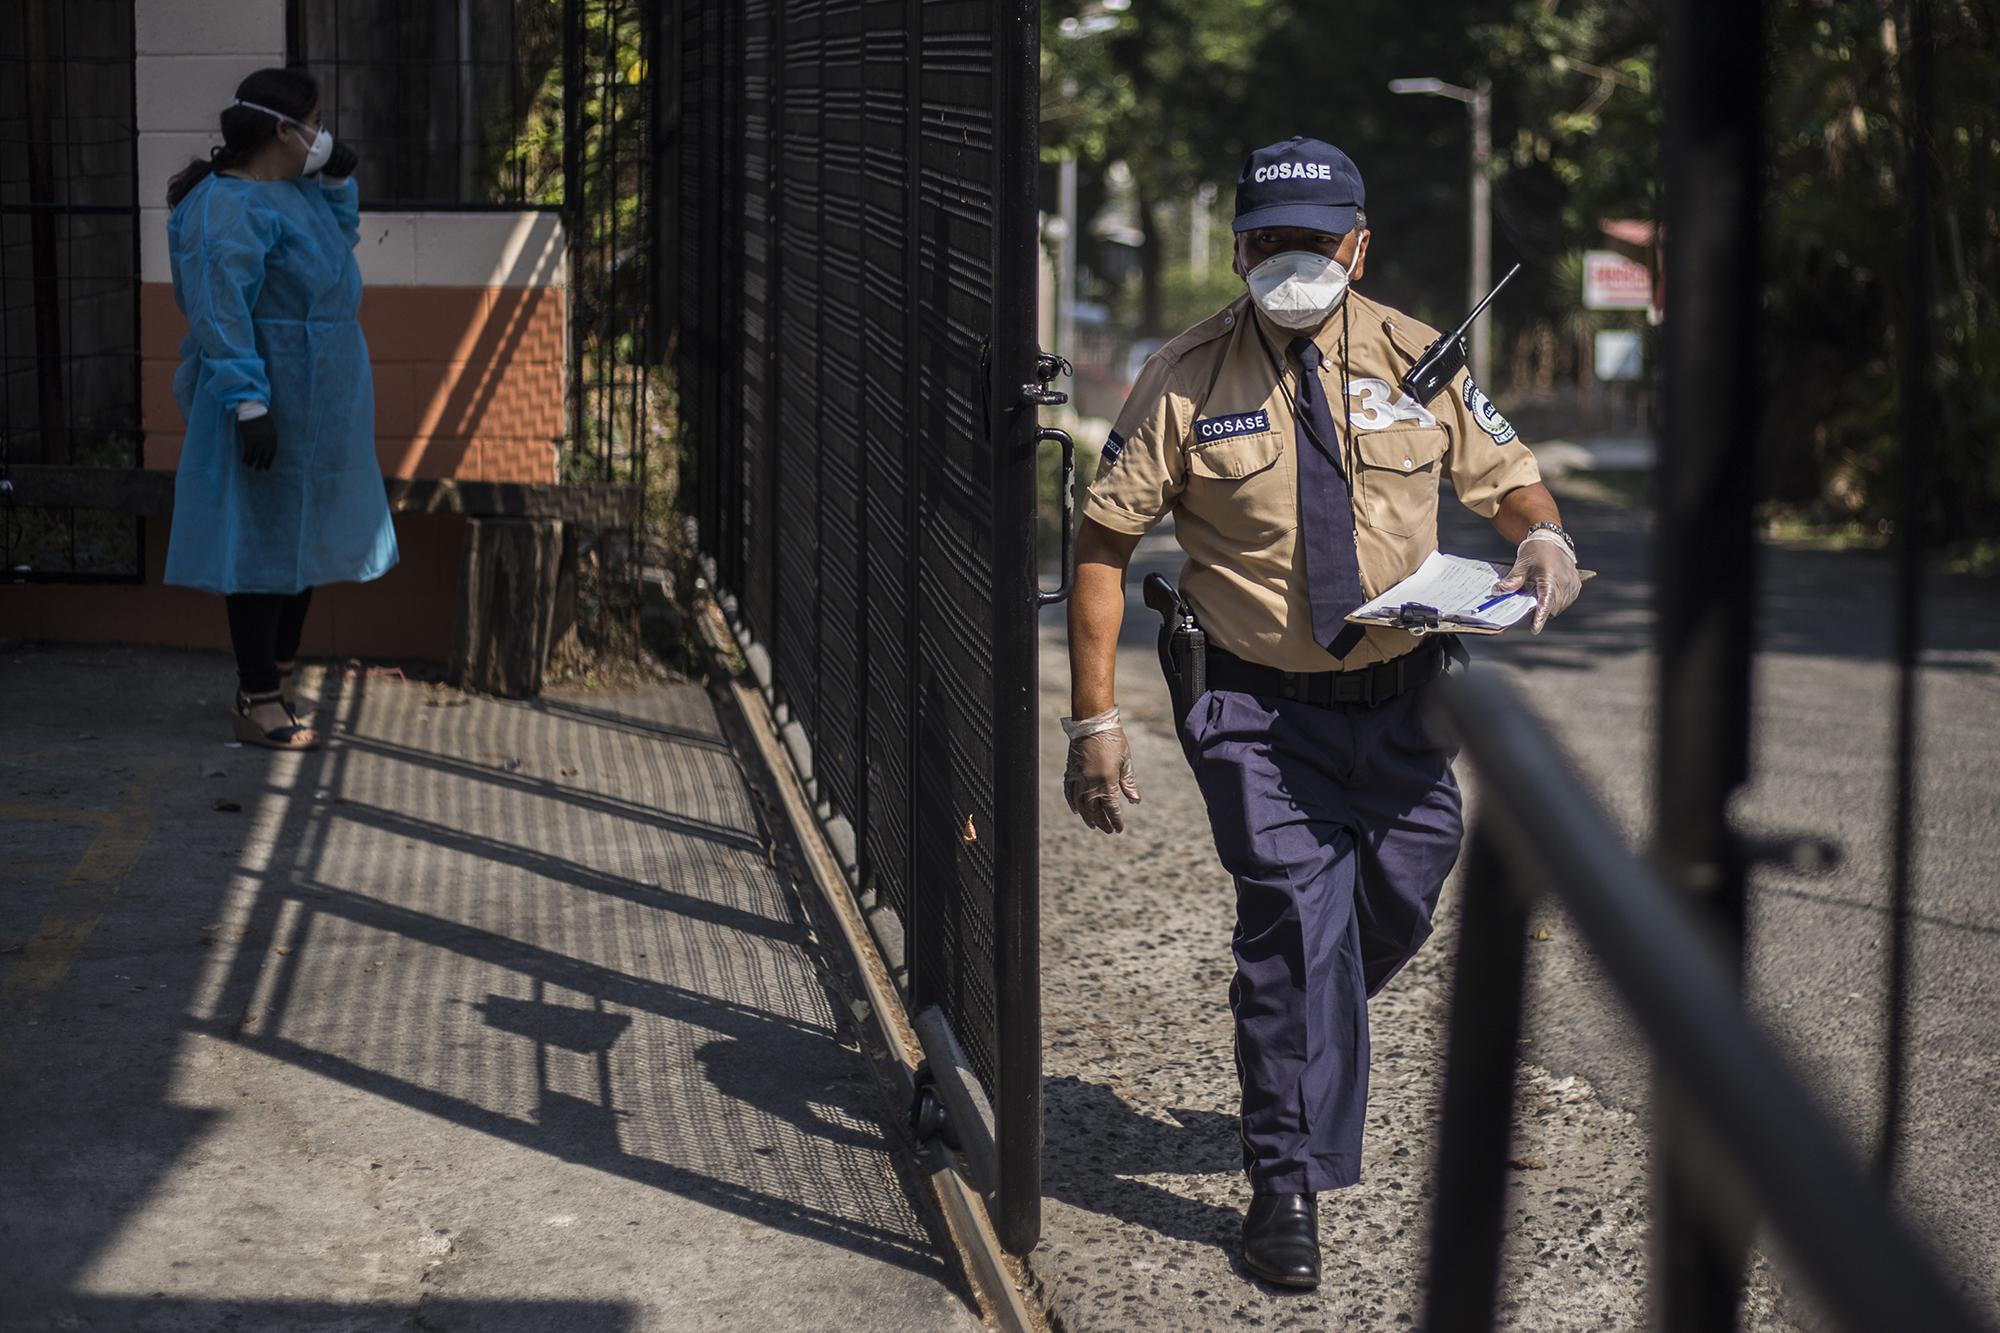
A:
{"x":278,"y":490}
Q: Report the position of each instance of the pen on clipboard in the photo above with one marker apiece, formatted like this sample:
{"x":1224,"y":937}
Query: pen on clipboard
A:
{"x":1492,"y":602}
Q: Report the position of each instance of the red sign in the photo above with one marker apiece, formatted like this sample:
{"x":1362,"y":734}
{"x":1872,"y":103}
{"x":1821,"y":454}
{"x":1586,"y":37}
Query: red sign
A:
{"x":1613,"y":282}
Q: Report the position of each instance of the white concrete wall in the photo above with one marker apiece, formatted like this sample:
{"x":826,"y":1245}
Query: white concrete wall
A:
{"x":461,"y":249}
{"x":193,"y":53}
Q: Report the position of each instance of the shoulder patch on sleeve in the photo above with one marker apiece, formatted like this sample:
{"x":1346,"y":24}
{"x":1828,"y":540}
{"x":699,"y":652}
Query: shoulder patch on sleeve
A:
{"x":1114,"y":446}
{"x":1488,"y":416}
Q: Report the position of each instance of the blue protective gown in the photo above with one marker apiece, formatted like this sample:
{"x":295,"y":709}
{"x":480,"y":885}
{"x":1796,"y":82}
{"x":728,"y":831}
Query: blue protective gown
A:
{"x":266,"y":275}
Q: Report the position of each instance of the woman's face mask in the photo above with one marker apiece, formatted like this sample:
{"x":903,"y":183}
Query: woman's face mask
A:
{"x":319,"y":143}
{"x":1298,"y":289}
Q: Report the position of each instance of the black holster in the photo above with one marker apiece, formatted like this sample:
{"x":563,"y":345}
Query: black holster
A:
{"x":1183,"y":646}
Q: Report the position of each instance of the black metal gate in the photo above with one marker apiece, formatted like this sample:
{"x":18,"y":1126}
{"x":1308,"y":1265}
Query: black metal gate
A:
{"x":854,"y":293}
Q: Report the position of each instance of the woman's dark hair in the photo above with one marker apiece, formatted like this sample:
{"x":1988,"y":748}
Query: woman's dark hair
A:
{"x":244,"y":131}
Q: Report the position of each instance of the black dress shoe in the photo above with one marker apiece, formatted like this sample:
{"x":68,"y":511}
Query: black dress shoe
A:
{"x":1281,"y":1239}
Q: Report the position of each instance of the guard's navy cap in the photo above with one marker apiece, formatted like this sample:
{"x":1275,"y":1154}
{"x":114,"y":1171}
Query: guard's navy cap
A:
{"x":1299,"y":183}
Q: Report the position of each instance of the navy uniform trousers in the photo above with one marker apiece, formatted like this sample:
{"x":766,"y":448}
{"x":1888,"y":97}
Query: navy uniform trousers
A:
{"x":1339,"y":826}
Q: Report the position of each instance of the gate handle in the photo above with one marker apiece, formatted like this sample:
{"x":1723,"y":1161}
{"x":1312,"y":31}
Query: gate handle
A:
{"x":1043,"y":434}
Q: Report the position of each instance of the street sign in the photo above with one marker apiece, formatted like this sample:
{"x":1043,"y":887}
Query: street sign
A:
{"x":1613,"y":282}
{"x":1618,"y":355}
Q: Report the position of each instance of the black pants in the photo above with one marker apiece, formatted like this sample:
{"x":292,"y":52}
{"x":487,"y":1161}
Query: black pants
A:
{"x":264,"y":629}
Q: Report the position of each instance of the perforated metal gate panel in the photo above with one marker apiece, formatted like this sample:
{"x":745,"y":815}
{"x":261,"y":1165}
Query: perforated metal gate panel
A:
{"x":888,"y":417}
{"x":756,"y":479}
{"x":875,"y":284}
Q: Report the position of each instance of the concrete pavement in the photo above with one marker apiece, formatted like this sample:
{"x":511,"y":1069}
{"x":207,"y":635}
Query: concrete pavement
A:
{"x":1144,"y":1184}
{"x":489,"y":1016}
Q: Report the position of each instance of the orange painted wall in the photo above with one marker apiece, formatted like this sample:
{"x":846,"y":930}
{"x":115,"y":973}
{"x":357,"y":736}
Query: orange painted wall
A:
{"x":468,"y":385}
{"x":468,"y":380}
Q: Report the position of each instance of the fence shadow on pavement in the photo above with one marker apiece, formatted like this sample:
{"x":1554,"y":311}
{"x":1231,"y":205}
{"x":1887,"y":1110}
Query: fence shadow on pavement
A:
{"x":694,"y":1065}
{"x":197,"y":1316}
{"x":556,"y":925}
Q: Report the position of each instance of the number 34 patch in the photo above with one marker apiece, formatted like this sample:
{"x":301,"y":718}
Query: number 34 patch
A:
{"x":1378,"y":410}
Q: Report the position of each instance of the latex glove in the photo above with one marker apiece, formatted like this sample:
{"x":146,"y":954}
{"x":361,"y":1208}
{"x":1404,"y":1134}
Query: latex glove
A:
{"x":1098,"y":771}
{"x":340,"y":164}
{"x":1544,"y":566}
{"x":259,"y":437}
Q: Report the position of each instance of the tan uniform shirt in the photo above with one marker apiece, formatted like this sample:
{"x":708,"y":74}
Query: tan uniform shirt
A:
{"x":1208,"y":433}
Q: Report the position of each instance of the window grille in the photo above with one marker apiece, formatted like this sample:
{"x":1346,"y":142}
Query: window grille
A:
{"x":69,"y":261}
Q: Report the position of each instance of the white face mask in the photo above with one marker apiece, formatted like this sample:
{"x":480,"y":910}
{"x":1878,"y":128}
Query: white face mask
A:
{"x":322,"y":143}
{"x":1297,"y":289}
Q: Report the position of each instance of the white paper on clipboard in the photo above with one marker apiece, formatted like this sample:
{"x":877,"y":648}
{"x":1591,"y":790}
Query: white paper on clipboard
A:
{"x":1454,"y":588}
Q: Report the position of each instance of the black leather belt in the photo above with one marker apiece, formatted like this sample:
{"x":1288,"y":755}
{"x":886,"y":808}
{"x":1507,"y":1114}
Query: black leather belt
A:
{"x":1365,"y":687}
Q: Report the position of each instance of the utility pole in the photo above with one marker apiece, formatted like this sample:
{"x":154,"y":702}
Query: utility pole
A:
{"x":1479,"y":280}
{"x":1198,"y":231}
{"x":1066,"y":263}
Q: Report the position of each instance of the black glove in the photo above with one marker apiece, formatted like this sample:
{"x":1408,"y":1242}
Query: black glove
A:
{"x":260,"y":442}
{"x":341,"y":162}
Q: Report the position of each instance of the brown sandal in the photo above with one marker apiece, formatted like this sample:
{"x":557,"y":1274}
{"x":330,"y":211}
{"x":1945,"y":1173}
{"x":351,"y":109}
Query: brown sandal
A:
{"x":291,"y":736}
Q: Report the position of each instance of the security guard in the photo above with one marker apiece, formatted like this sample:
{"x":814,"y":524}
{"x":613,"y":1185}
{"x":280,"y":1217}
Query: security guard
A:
{"x":1302,"y":481}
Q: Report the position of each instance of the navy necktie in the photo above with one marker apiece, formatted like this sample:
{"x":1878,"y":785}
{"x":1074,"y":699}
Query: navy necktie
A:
{"x":1326,"y":512}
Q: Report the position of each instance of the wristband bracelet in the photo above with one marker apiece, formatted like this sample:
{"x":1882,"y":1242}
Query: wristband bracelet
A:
{"x":1555,"y":529}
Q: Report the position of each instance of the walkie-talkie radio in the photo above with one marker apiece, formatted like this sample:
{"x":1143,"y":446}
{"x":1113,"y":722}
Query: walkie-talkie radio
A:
{"x":1443,"y":359}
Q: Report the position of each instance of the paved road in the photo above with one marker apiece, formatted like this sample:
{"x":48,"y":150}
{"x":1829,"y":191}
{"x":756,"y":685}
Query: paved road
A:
{"x":1143,"y":1177}
{"x":491,"y":1016}
{"x":1824,"y":683}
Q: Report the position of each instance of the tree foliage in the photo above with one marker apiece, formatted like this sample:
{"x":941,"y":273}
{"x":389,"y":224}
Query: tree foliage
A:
{"x":1837,"y":209}
{"x":1180,"y":90}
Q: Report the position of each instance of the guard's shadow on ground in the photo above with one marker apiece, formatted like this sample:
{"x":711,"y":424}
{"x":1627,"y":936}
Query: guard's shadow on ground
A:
{"x":1098,"y":1147}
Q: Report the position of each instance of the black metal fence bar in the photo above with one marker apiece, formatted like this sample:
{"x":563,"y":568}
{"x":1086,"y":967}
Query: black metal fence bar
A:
{"x":1706,"y":556}
{"x":1779,"y":1150}
{"x":1017,"y":901}
{"x":1920,"y":422}
{"x":851,"y":340}
{"x":1481,"y":1062}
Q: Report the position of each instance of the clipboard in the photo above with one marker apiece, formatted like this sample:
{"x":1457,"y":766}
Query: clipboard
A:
{"x":1449,"y":594}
